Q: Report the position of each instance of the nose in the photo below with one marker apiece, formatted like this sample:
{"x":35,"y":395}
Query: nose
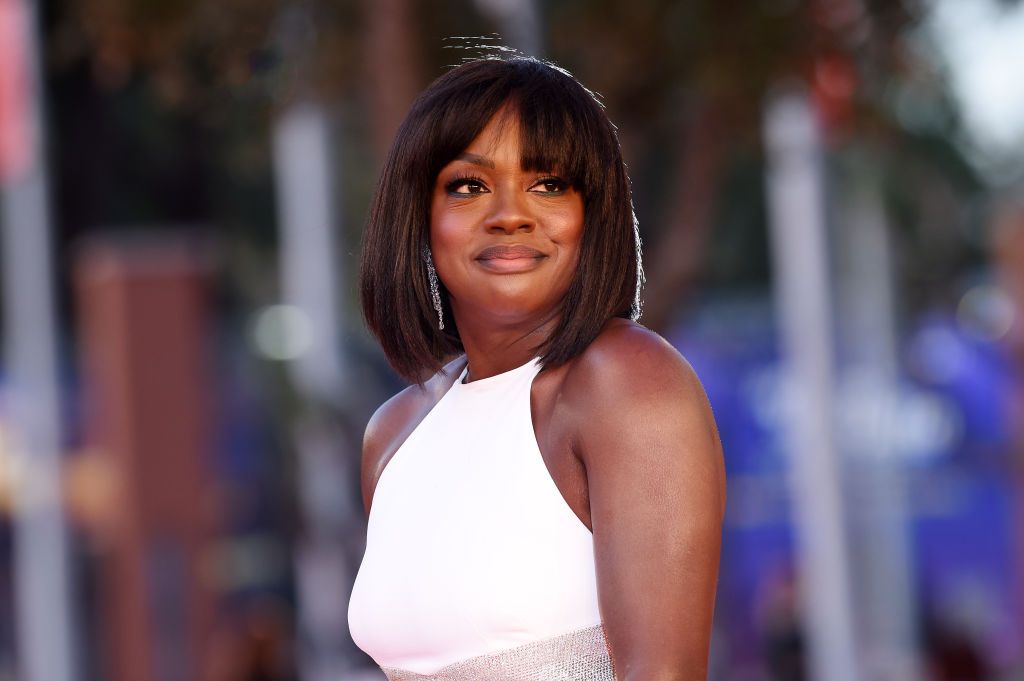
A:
{"x":510,"y":213}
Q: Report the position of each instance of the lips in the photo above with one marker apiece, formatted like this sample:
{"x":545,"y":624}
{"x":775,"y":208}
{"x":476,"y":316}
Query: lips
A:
{"x":510,"y":259}
{"x":517,"y":252}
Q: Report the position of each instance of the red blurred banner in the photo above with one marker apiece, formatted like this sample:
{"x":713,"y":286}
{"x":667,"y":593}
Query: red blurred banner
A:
{"x":15,"y":128}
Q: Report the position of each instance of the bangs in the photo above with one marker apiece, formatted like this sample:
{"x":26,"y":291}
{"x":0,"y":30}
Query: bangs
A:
{"x":560,"y":132}
{"x":561,"y":124}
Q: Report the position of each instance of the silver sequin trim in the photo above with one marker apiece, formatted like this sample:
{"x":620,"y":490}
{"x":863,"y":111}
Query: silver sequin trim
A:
{"x":577,"y":656}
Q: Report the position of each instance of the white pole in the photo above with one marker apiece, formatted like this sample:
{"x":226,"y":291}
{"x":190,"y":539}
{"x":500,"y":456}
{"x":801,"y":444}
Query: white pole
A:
{"x":306,"y":191}
{"x":519,"y":22}
{"x":43,"y":599}
{"x":306,"y":196}
{"x":887,"y":608}
{"x":796,"y":208}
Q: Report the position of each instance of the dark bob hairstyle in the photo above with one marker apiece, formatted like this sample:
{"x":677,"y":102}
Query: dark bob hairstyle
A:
{"x":563,"y":128}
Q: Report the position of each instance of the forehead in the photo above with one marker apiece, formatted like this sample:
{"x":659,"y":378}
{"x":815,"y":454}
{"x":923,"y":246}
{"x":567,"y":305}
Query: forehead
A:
{"x":500,"y":138}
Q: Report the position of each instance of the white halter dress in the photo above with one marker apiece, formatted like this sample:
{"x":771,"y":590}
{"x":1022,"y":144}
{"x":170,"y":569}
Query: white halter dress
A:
{"x":475,"y":566}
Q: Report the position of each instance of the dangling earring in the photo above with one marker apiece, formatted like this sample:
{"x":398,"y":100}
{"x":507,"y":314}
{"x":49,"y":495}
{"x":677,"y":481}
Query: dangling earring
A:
{"x":435,"y":291}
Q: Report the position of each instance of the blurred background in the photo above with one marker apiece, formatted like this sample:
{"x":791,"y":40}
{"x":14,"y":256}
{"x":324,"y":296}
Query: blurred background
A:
{"x":831,"y":197}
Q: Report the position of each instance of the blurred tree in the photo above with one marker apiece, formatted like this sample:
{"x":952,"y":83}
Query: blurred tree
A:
{"x":684,"y":81}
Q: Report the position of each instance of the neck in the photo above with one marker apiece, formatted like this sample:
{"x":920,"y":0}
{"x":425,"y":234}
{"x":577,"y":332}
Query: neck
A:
{"x":493,"y":349}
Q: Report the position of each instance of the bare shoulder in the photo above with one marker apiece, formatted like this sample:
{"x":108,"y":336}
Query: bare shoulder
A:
{"x":628,"y":360}
{"x":394,"y":420}
{"x":635,"y":397}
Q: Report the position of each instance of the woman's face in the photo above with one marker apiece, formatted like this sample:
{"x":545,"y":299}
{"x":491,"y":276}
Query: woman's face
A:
{"x":505,"y":241}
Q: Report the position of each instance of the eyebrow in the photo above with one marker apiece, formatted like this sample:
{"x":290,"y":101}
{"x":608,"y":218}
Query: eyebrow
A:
{"x":476,"y":159}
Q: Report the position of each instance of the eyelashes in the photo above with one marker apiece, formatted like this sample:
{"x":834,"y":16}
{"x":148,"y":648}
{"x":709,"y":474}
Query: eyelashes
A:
{"x":560,"y":185}
{"x":464,"y":181}
{"x":553,"y":185}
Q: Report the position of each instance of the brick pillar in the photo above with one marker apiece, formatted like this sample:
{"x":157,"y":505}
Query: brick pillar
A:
{"x":144,"y":331}
{"x":1007,"y":251}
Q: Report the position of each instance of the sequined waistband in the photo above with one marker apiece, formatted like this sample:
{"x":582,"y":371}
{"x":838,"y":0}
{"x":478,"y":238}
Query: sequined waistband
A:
{"x":576,"y":656}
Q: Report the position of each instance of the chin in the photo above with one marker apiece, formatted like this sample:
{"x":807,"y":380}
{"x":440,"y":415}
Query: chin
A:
{"x":504,"y":309}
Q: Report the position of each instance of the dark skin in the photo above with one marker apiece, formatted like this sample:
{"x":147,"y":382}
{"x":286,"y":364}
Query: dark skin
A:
{"x":625,"y":428}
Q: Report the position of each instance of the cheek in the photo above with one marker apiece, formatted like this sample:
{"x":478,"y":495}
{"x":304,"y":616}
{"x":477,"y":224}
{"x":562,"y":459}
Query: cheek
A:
{"x":567,"y":232}
{"x":449,"y":241}
{"x":569,"y":240}
{"x":449,"y":224}
{"x":567,"y":223}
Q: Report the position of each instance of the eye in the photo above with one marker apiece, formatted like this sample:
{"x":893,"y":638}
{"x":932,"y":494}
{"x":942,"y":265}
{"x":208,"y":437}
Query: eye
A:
{"x":465,"y":186}
{"x":550,"y":185}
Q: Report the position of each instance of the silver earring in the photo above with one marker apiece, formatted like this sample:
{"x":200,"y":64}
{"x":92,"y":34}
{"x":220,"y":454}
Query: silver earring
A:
{"x":435,"y":291}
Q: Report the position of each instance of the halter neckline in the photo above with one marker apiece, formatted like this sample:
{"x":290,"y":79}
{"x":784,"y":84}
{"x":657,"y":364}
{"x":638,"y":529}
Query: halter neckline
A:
{"x":496,"y":378}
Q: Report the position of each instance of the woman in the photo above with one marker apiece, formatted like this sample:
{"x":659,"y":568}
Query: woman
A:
{"x":548,"y":504}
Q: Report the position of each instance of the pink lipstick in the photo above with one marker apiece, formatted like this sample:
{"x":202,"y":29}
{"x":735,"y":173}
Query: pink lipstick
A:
{"x":506,"y":259}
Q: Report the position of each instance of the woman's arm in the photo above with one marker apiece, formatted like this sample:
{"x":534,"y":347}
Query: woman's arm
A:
{"x":657,"y":495}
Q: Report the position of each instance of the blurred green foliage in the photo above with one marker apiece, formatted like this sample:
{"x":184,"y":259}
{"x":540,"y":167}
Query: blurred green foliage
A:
{"x":163,"y":111}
